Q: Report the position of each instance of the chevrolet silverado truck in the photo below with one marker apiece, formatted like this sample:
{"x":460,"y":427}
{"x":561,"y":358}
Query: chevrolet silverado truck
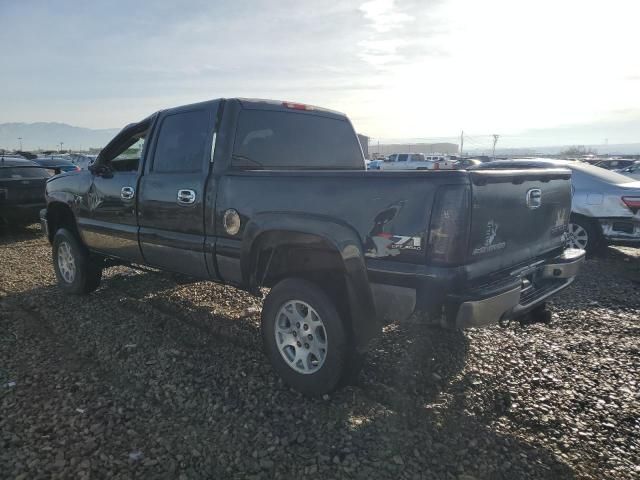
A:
{"x":258,"y":193}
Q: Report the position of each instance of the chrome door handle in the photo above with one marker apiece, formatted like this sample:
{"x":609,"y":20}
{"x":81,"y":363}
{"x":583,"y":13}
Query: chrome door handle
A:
{"x":127,"y":193}
{"x":186,"y":197}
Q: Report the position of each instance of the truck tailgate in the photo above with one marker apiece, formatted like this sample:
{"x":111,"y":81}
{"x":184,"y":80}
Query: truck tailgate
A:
{"x":516,"y":217}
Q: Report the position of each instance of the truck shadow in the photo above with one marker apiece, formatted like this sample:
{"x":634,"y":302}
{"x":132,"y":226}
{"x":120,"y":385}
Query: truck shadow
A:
{"x":135,"y":339}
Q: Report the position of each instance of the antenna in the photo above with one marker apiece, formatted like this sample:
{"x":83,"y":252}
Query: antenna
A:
{"x":495,"y":140}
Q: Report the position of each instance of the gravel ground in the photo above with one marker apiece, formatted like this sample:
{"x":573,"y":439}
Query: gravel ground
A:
{"x":152,"y":378}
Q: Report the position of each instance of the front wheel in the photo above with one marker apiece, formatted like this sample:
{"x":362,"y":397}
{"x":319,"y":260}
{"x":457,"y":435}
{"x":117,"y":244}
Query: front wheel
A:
{"x":304,"y":337}
{"x":77,"y":273}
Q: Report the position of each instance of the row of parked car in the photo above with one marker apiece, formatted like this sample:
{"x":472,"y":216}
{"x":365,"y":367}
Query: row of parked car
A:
{"x":627,"y":167}
{"x":605,"y":207}
{"x":419,"y":161}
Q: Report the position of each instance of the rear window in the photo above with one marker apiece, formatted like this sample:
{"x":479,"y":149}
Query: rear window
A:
{"x":292,"y":141}
{"x":19,"y":173}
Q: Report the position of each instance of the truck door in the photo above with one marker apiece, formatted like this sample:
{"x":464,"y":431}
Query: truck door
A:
{"x":172,"y":201}
{"x":108,"y":221}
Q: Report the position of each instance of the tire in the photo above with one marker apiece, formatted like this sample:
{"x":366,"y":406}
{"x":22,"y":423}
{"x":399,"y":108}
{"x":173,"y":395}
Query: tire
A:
{"x":77,"y":273}
{"x":294,"y":302}
{"x":584,"y":234}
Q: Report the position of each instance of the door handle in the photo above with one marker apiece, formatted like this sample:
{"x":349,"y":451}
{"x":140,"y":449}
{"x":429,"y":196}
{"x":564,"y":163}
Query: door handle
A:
{"x":127,"y":193}
{"x":186,"y":197}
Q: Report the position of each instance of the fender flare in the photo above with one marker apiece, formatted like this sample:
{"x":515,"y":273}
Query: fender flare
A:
{"x":346,"y":242}
{"x":57,"y":201}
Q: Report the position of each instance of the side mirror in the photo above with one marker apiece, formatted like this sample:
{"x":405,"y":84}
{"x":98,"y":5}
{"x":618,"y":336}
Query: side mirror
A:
{"x":101,"y":170}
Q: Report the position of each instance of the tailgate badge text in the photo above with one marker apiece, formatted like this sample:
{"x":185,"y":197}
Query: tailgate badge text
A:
{"x":489,"y":238}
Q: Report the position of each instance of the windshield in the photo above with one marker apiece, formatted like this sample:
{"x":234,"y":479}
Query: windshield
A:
{"x":601,"y":173}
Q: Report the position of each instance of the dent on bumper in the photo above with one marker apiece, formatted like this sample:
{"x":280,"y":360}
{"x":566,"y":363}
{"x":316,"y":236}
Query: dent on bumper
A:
{"x":555,"y":275}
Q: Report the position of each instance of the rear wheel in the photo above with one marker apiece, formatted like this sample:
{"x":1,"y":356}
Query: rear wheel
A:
{"x":304,"y":337}
{"x":77,"y":273}
{"x":583,"y":234}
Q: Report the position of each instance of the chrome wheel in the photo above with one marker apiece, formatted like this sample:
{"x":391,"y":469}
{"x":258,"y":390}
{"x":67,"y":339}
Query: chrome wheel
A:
{"x":577,"y":237}
{"x":66,"y":262}
{"x":301,"y":336}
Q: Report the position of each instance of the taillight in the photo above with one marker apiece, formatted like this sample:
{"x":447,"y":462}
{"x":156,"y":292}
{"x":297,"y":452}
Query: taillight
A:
{"x":632,"y":202}
{"x":449,"y":226}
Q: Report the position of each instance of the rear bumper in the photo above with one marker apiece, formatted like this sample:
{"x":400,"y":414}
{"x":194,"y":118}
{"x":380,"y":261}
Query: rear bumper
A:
{"x":26,"y":212}
{"x":518,"y":295}
{"x":620,"y":231}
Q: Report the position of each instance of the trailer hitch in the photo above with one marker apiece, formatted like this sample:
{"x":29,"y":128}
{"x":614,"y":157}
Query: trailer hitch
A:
{"x":540,"y":314}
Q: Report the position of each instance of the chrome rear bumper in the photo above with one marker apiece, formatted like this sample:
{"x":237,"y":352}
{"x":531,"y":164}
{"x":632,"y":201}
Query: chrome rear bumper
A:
{"x":548,"y":279}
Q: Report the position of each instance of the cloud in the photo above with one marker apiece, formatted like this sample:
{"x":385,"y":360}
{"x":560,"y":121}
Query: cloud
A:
{"x":411,"y":68}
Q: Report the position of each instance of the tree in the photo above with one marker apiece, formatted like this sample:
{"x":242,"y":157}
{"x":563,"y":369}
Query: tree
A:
{"x":578,"y":150}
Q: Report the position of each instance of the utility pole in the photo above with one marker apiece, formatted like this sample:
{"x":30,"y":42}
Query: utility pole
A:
{"x":461,"y":142}
{"x":20,"y":140}
{"x":495,"y":140}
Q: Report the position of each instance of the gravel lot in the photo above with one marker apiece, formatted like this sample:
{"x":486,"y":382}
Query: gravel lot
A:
{"x":152,"y":378}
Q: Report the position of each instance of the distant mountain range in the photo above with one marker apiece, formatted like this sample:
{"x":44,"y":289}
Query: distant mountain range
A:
{"x":48,"y":135}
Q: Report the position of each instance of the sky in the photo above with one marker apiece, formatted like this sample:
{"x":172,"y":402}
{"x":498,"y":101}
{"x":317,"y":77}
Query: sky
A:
{"x":536,"y":72}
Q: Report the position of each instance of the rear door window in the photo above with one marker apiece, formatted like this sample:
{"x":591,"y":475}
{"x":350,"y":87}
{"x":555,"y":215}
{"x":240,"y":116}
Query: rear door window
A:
{"x":292,"y":141}
{"x":182,"y":139}
{"x":403,"y":157}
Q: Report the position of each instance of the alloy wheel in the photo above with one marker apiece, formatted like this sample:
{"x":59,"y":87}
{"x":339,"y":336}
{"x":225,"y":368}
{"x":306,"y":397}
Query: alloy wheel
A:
{"x":577,"y":236}
{"x":301,"y":336}
{"x":66,"y":262}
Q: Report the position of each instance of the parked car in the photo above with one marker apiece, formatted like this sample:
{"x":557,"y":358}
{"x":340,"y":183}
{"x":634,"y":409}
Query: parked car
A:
{"x":22,"y":184}
{"x":605,"y":206}
{"x":465,"y":163}
{"x":632,"y":171}
{"x":258,"y":193}
{"x":615,"y":163}
{"x":56,"y":166}
{"x":375,"y":164}
{"x":417,"y":161}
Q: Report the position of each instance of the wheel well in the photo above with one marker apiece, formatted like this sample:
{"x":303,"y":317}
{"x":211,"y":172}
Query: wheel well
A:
{"x":60,"y":215}
{"x":278,"y":255}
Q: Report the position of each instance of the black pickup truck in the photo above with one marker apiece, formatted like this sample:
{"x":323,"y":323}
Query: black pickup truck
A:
{"x":257,"y":193}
